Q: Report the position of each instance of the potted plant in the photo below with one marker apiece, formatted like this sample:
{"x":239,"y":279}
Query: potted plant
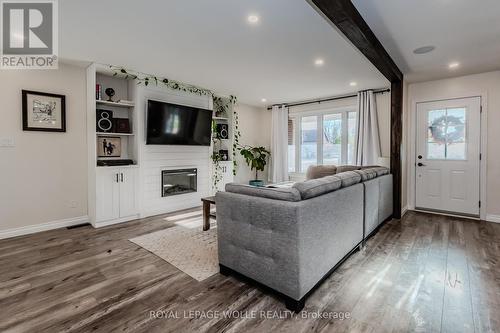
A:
{"x":256,"y":158}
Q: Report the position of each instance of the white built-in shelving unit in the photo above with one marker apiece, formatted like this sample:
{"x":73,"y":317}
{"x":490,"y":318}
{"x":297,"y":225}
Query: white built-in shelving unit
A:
{"x":113,"y":190}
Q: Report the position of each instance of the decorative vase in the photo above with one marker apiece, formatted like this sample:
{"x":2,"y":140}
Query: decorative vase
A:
{"x":110,"y":92}
{"x":256,"y":182}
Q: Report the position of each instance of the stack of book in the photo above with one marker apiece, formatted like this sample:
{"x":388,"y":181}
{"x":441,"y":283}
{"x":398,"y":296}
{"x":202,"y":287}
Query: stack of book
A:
{"x":98,"y":92}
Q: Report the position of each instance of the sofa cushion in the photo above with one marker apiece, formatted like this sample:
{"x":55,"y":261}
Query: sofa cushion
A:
{"x":349,"y":178}
{"x":366,"y":174}
{"x":285,"y":194}
{"x":368,"y":167}
{"x":316,"y":187}
{"x":344,"y":168}
{"x":380,"y":171}
{"x":319,"y":171}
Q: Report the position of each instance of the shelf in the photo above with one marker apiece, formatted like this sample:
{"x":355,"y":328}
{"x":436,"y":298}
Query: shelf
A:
{"x":220,"y":118}
{"x":121,"y":105}
{"x":127,"y":166}
{"x":113,"y":134}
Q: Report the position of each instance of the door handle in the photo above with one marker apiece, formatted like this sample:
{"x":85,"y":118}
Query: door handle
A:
{"x":121,"y":176}
{"x":117,"y":180}
{"x":420,"y":164}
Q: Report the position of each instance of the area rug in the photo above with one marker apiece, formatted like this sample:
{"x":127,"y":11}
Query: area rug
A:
{"x":191,"y":250}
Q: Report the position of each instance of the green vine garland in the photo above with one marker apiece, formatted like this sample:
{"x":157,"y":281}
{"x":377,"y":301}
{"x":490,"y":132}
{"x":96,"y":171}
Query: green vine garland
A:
{"x":219,"y":103}
{"x":236,"y":136}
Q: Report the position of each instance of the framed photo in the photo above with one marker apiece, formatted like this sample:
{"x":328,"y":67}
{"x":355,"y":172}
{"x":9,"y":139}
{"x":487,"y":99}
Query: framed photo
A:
{"x":43,"y":112}
{"x":122,"y":125}
{"x":108,"y":146}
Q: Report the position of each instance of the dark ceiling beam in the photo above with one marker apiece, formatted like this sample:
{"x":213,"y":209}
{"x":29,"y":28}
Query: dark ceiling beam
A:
{"x":346,"y":18}
{"x":349,"y":21}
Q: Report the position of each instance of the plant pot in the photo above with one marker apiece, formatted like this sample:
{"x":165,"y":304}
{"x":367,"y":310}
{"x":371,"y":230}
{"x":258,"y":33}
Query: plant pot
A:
{"x":256,"y":182}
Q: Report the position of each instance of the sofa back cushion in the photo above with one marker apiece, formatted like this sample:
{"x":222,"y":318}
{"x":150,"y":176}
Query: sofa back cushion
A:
{"x":315,"y":187}
{"x":381,"y":171}
{"x":344,"y":168}
{"x":349,"y":178}
{"x":366,"y":174}
{"x":319,"y":171}
{"x":285,"y":194}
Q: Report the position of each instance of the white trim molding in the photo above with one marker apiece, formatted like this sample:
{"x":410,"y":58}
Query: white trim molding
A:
{"x":31,"y":229}
{"x":493,"y":218}
{"x":404,"y":210}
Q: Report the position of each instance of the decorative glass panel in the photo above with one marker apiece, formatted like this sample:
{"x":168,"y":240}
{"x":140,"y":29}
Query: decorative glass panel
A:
{"x":332,"y":139}
{"x":309,"y":142}
{"x":446,"y":138}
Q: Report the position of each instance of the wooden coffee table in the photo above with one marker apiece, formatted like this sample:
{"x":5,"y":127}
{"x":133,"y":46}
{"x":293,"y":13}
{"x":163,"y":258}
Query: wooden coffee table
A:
{"x":207,"y":202}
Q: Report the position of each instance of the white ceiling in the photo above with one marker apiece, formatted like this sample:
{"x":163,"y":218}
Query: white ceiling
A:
{"x":464,"y":31}
{"x":211,"y":44}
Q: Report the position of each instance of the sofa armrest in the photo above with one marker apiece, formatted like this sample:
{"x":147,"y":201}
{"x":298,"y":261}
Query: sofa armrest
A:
{"x":258,"y":237}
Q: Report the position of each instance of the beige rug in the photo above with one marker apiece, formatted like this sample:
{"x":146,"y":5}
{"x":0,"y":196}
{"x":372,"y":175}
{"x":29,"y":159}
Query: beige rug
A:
{"x":186,"y":246}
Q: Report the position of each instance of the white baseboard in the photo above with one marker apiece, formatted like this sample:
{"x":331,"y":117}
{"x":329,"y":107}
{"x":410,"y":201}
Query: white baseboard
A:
{"x":31,"y":229}
{"x":404,"y":210}
{"x":493,"y":218}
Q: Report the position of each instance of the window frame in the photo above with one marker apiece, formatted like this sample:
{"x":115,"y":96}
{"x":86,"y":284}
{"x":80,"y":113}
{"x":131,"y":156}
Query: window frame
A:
{"x":320,"y":113}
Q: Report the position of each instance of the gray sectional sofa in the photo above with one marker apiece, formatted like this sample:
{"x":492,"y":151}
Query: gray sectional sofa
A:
{"x":290,"y":239}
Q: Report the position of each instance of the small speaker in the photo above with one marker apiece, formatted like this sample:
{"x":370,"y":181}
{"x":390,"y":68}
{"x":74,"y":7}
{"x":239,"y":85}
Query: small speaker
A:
{"x":104,"y":121}
{"x":222,"y":131}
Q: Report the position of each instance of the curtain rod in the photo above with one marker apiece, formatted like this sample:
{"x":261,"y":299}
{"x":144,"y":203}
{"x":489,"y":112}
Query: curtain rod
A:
{"x":319,"y":101}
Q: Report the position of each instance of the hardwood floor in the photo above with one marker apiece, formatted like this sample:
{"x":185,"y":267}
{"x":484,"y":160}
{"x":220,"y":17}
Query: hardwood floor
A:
{"x":425,"y":273}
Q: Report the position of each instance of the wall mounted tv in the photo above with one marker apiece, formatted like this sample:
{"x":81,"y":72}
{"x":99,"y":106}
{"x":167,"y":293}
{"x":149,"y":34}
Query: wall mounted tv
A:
{"x":172,"y":124}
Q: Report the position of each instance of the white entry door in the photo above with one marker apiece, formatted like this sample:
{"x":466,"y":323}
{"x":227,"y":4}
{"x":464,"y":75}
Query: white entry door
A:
{"x":448,"y":156}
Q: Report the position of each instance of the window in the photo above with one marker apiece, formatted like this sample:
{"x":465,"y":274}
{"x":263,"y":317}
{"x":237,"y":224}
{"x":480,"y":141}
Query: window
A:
{"x":308,"y":141}
{"x":291,"y":144}
{"x":325,"y":137}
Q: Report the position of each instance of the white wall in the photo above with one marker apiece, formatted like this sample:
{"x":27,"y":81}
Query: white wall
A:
{"x":44,"y":177}
{"x":472,"y":85}
{"x":255,"y":128}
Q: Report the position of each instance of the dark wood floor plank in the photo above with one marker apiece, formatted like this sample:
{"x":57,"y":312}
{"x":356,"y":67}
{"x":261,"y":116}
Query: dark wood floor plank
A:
{"x":425,"y":273}
{"x":457,"y":304}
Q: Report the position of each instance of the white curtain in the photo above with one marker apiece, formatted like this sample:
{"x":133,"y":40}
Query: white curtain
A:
{"x":368,"y":139}
{"x":279,"y":145}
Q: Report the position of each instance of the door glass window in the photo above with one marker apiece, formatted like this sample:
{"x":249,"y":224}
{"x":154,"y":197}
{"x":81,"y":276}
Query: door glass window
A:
{"x":446,"y":136}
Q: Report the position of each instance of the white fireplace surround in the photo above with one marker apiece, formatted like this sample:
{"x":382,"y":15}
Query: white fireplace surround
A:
{"x":155,"y":158}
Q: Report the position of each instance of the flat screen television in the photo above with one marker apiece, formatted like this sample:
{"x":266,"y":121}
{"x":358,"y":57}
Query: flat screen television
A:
{"x":172,"y":124}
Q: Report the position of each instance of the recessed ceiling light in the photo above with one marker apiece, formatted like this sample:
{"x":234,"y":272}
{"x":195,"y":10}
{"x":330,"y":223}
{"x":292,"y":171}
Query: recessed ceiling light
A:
{"x":453,"y":65}
{"x":319,"y":62}
{"x":263,"y":100}
{"x":353,"y":84}
{"x":253,"y":19}
{"x":424,"y":49}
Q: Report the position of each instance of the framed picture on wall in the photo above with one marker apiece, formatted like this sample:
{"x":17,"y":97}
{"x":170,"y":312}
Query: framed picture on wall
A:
{"x":108,"y":146}
{"x":43,"y":111}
